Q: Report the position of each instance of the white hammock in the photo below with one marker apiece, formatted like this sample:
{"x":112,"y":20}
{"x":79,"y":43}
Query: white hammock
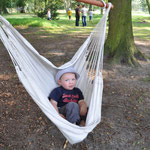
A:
{"x":37,"y":75}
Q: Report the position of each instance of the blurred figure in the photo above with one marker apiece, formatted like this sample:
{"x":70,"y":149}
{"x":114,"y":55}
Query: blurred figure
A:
{"x":90,"y":14}
{"x":84,"y":14}
{"x":69,"y":13}
{"x":48,"y":14}
{"x":77,"y":15}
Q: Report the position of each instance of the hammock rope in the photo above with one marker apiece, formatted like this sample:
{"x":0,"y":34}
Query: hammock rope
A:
{"x":37,"y":75}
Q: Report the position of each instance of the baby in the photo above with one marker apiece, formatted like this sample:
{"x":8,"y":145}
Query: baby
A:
{"x":67,"y":99}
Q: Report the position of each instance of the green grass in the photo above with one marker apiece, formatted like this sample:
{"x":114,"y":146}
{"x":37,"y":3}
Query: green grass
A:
{"x":62,"y":25}
{"x":141,"y":24}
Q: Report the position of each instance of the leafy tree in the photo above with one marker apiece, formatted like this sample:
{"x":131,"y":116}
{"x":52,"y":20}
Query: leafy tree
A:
{"x":120,"y":46}
{"x":21,"y":4}
{"x":143,"y":5}
{"x":54,"y":5}
{"x":30,"y":5}
{"x":3,"y":5}
{"x":67,"y":4}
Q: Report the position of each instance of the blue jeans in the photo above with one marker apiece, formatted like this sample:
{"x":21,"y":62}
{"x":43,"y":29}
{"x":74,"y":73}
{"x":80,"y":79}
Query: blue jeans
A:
{"x":77,"y":20}
{"x":84,"y":21}
{"x":90,"y":17}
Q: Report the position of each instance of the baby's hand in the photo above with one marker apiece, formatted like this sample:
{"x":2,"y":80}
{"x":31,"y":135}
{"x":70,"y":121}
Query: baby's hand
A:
{"x":82,"y":107}
{"x":83,"y":110}
{"x":62,"y":116}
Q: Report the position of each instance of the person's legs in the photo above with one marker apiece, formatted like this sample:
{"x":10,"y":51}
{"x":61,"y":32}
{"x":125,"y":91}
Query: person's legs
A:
{"x":71,"y":112}
{"x":77,"y":21}
{"x":84,"y":20}
{"x":83,"y":115}
{"x":90,"y":17}
{"x":83,"y":119}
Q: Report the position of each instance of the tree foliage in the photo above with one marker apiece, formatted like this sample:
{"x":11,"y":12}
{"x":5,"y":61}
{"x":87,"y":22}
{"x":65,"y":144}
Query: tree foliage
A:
{"x":67,"y":4}
{"x":3,"y":5}
{"x":39,"y":7}
{"x":20,"y":3}
{"x":143,"y":5}
{"x":54,"y":5}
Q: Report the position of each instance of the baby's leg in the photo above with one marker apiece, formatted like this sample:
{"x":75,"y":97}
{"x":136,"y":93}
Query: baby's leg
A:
{"x":71,"y":112}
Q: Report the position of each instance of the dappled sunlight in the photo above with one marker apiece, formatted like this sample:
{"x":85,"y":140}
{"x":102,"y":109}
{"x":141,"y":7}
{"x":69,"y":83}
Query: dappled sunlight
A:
{"x":141,"y":25}
{"x":54,"y":53}
{"x":145,"y":35}
{"x":143,"y":43}
{"x":20,"y":16}
{"x":62,"y":25}
{"x":5,"y":77}
{"x":144,"y":47}
{"x":118,"y":74}
{"x":44,"y":36}
{"x":7,"y":94}
{"x":139,"y":13}
{"x":68,"y":30}
{"x":147,"y":29}
{"x":141,"y":30}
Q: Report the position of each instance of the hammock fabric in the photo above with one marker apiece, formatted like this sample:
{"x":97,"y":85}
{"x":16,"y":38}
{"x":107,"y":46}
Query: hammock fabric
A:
{"x":37,"y":74}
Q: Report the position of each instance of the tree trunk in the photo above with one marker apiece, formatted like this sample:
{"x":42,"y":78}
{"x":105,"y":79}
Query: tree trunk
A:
{"x":119,"y":46}
{"x":67,"y":4}
{"x":0,"y":7}
{"x":45,"y":3}
{"x":101,"y":9}
{"x":35,"y":6}
{"x":3,"y":9}
{"x":148,"y":5}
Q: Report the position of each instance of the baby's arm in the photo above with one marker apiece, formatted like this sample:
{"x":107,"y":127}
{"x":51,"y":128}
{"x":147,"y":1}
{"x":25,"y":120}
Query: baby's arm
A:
{"x":54,"y":103}
{"x":82,"y":107}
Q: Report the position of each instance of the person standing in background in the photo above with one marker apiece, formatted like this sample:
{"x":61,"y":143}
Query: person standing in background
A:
{"x":90,"y":14}
{"x":69,"y":13}
{"x":48,"y":14}
{"x":77,"y":15}
{"x":84,"y":14}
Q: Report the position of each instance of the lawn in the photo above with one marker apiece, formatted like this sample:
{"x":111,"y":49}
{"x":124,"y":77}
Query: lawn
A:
{"x":62,"y":25}
{"x":141,"y":24}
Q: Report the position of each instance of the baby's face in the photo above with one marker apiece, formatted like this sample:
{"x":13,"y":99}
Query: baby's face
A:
{"x":68,"y":81}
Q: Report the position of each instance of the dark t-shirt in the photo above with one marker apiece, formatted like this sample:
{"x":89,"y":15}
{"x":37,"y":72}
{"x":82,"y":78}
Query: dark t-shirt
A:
{"x":63,"y":96}
{"x":77,"y":10}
